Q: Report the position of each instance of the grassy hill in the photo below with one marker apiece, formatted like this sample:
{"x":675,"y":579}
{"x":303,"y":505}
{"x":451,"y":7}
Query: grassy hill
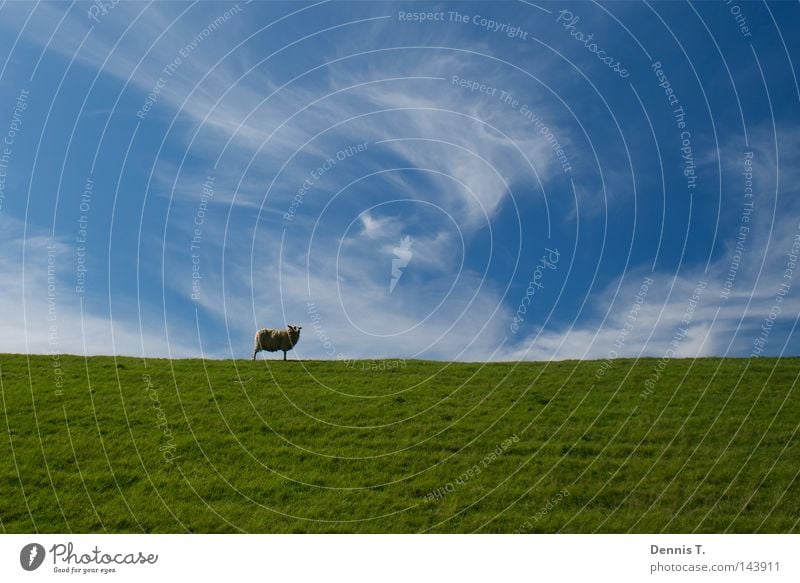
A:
{"x":98,"y":444}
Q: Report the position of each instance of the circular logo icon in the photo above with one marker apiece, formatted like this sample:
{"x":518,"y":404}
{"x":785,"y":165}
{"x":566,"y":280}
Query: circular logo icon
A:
{"x":31,"y":556}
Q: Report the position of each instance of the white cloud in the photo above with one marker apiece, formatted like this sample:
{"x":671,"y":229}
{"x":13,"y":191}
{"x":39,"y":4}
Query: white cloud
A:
{"x":42,"y":314}
{"x":721,"y":323}
{"x":428,"y":140}
{"x":372,"y":228}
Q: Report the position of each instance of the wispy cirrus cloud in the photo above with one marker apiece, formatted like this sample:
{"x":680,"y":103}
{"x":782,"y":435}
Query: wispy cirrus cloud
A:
{"x":374,"y":132}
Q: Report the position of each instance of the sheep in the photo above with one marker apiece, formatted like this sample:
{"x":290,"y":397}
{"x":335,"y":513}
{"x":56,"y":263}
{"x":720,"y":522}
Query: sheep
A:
{"x":272,"y":340}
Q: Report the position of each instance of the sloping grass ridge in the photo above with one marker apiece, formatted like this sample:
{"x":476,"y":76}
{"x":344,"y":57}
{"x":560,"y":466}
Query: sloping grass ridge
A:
{"x":123,"y":445}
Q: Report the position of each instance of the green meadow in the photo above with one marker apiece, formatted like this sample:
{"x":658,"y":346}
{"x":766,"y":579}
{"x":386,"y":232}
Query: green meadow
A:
{"x":161,"y":446}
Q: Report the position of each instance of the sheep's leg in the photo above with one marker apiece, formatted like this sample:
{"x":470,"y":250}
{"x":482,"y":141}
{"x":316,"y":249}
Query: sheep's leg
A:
{"x":284,"y":355}
{"x":254,"y":353}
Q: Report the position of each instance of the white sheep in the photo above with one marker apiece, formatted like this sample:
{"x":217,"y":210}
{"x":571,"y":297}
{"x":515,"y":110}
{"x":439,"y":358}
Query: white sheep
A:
{"x":272,"y":340}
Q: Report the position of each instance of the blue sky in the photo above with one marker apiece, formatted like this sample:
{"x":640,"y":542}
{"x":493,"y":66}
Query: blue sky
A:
{"x":467,"y":181}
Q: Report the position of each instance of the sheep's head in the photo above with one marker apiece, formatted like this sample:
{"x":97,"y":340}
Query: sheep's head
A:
{"x":294,"y":332}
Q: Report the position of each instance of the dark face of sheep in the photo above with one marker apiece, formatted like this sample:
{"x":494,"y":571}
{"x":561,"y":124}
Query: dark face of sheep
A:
{"x":294,"y":333}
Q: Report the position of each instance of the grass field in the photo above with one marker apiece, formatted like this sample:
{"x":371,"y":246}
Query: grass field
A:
{"x":98,"y":444}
